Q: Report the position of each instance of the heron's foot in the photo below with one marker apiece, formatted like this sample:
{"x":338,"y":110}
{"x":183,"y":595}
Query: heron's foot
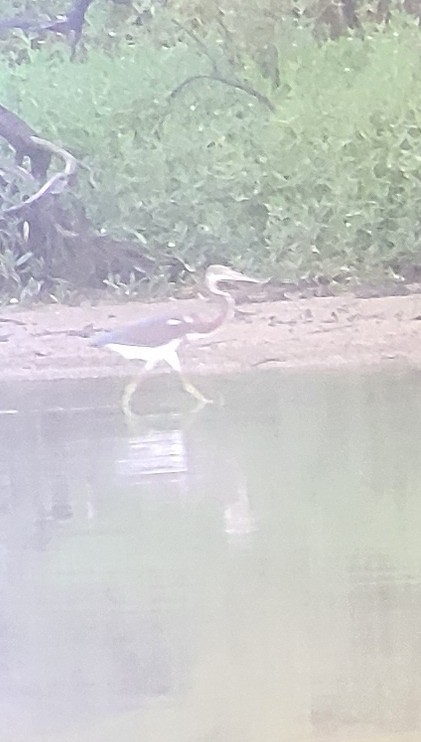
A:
{"x":191,"y":389}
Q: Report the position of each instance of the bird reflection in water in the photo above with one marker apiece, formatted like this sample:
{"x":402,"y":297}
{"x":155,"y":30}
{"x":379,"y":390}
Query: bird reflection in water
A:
{"x":166,"y":462}
{"x":156,"y":456}
{"x":239,"y":519}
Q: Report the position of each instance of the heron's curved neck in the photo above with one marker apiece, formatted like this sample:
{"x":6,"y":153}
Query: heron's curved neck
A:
{"x":223,"y":296}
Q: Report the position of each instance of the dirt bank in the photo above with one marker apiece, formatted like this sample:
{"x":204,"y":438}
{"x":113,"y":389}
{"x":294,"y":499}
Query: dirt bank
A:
{"x":48,"y":343}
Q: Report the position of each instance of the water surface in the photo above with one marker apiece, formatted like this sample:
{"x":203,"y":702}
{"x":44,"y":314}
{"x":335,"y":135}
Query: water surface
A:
{"x":251,"y":573}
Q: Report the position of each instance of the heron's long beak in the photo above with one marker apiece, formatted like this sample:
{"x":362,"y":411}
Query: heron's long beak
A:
{"x":237,"y":276}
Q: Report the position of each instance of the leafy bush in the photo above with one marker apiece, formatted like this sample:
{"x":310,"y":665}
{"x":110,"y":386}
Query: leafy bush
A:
{"x":344,"y":186}
{"x":326,"y":182}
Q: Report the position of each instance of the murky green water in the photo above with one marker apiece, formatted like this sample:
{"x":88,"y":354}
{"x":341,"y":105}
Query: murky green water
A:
{"x":248,"y":574}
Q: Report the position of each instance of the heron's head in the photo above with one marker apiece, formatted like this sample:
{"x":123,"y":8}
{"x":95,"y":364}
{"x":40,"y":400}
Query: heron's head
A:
{"x":215,"y":274}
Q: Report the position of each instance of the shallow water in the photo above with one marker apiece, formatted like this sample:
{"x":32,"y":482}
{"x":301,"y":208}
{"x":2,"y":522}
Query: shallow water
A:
{"x":250,"y":573}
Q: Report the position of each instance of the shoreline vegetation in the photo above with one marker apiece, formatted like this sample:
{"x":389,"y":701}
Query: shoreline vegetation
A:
{"x":284,"y":142}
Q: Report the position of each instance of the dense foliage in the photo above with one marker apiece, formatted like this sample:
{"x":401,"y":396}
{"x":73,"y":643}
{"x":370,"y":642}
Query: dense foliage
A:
{"x":292,"y":155}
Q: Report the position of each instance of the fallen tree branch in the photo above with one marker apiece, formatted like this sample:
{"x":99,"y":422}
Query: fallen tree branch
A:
{"x":70,"y":162}
{"x":20,"y":136}
{"x":54,"y":185}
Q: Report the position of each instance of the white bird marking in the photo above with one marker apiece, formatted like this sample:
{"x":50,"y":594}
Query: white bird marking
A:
{"x":174,"y":322}
{"x":152,"y":356}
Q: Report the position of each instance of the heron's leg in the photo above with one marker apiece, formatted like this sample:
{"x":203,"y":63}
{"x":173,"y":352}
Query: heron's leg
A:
{"x":194,"y":391}
{"x":173,"y":361}
{"x":130,"y":389}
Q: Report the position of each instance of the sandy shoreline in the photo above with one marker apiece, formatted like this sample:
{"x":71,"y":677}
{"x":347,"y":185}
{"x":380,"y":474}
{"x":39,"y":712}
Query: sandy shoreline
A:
{"x":45,"y":343}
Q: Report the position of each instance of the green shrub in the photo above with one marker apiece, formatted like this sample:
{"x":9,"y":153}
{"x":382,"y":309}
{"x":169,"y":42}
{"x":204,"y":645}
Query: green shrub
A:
{"x":328,"y":182}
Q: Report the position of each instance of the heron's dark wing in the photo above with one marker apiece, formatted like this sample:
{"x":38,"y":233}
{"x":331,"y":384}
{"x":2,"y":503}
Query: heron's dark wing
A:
{"x":26,"y":24}
{"x":72,"y":21}
{"x":150,"y":332}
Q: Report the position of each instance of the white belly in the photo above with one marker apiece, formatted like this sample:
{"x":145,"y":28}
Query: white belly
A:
{"x":150,"y":355}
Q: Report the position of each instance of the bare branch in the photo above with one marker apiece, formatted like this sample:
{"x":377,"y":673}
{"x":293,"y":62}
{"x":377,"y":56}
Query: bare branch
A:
{"x":201,"y":44}
{"x":216,"y":73}
{"x":248,"y":89}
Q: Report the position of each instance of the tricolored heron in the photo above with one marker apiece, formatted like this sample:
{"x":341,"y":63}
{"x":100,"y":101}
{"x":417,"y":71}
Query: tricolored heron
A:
{"x":158,"y":338}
